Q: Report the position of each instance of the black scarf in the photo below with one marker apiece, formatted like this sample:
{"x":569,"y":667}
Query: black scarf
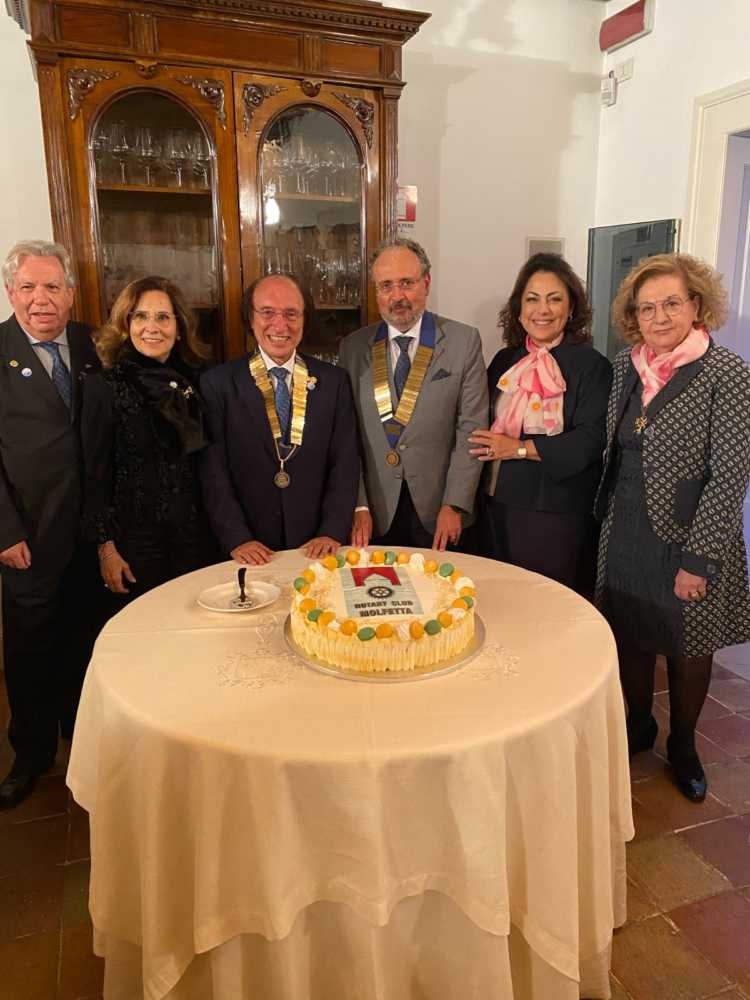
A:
{"x":168,"y":389}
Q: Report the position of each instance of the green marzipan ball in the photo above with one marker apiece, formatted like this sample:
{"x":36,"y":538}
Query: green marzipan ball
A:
{"x":390,"y":558}
{"x":340,"y":560}
{"x":446,"y":569}
{"x":300,"y":582}
{"x":469,"y":600}
{"x":312,"y":616}
{"x":366,"y":633}
{"x":432,"y":627}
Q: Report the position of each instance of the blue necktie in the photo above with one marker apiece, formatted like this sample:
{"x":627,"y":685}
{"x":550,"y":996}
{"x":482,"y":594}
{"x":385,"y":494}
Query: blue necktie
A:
{"x":402,"y":365}
{"x":283,"y":400}
{"x":60,"y":373}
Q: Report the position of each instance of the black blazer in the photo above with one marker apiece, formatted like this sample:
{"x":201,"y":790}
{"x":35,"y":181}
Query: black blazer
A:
{"x":238,"y":467}
{"x":40,"y":460}
{"x":565,"y":480}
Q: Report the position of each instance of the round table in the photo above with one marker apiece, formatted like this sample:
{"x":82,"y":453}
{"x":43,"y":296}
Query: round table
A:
{"x":261,"y":829}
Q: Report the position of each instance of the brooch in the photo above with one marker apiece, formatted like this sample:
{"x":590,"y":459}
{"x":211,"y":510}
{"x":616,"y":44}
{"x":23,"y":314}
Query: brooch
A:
{"x":312,"y":382}
{"x":13,"y":363}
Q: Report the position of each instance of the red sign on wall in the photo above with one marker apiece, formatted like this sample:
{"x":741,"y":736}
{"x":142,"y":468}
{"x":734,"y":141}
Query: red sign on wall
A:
{"x":630,"y":23}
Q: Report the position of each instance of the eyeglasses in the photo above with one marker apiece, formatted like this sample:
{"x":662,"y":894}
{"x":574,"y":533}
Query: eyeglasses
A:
{"x":160,"y":318}
{"x":671,"y":306}
{"x":268,"y":315}
{"x":403,"y":284}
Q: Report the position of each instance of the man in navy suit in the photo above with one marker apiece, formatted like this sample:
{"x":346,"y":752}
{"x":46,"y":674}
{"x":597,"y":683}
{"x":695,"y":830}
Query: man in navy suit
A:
{"x":49,"y":577}
{"x":282,"y":470}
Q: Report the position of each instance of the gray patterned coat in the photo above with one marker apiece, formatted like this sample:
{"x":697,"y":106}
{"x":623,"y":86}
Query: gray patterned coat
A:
{"x":696,"y":464}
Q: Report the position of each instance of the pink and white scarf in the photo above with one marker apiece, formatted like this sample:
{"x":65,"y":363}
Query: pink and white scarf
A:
{"x":656,"y":370}
{"x":532,"y":394}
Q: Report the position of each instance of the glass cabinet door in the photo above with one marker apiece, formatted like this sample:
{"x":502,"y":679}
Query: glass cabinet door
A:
{"x":155,"y":169}
{"x":311,"y":183}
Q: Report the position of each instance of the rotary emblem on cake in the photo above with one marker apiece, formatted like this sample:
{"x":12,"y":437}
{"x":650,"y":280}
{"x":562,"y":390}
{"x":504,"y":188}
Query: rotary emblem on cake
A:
{"x":382,"y":611}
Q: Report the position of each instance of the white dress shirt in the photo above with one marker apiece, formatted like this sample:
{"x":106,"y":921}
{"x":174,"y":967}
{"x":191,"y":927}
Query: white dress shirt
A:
{"x":396,"y":350}
{"x":44,"y":356}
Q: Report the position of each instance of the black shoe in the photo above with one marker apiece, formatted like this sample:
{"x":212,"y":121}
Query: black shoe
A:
{"x":689,"y":775}
{"x":643,"y":736}
{"x":18,"y":785}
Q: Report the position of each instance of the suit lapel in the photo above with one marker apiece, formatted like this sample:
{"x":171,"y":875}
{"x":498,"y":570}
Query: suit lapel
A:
{"x":251,"y":397}
{"x":629,"y":383}
{"x":39,"y":382}
{"x":681,"y":378}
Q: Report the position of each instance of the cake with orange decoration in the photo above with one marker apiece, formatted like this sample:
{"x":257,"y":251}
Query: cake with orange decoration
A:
{"x":377,"y":611}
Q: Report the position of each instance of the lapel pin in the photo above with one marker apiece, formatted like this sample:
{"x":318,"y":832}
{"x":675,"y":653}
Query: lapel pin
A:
{"x":312,"y":382}
{"x":26,"y":372}
{"x":13,"y":363}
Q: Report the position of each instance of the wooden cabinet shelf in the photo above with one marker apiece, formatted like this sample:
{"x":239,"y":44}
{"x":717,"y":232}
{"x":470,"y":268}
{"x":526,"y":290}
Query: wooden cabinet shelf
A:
{"x":257,"y":89}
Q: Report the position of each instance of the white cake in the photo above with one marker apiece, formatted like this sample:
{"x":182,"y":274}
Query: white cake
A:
{"x":374,"y":611}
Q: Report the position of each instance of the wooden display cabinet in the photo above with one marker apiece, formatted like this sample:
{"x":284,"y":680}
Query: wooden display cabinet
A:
{"x":213,"y":141}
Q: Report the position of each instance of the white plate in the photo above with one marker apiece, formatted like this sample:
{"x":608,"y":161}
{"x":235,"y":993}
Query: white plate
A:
{"x":220,"y":597}
{"x":398,"y":676}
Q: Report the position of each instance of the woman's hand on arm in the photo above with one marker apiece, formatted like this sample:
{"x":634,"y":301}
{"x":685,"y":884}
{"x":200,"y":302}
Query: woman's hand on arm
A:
{"x":688,"y":586}
{"x":115,"y":571}
{"x":491,"y":446}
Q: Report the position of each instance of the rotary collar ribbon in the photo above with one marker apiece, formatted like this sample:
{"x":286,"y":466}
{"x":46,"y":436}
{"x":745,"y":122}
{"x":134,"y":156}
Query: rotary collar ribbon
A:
{"x":300,"y":379}
{"x":394,"y":424}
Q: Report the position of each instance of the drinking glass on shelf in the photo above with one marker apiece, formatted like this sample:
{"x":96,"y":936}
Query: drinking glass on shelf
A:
{"x":201,"y":156}
{"x":177,"y":152}
{"x":120,"y":147}
{"x":146,"y":151}
{"x":101,"y":145}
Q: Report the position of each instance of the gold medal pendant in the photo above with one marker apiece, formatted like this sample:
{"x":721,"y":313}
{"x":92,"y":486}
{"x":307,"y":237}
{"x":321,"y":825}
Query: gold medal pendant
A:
{"x":392,"y":458}
{"x":282,"y":479}
{"x":640,"y":424}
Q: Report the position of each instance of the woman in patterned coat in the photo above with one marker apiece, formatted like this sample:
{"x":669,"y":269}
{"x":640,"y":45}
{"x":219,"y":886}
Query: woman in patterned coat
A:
{"x":672,"y":576}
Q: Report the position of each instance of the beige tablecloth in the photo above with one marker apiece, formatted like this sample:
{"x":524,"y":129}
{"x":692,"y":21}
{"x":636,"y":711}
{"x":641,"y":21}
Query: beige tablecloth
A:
{"x":234,"y":791}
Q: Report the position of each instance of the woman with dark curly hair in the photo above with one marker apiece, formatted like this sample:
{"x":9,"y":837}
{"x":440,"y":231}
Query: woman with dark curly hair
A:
{"x":672,"y":575}
{"x":142,"y":427}
{"x":548,"y":398}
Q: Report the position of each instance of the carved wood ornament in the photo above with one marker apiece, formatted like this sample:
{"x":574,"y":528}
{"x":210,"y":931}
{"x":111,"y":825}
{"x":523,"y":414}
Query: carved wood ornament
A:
{"x":364,"y":110}
{"x":253,"y":96}
{"x":147,"y":68}
{"x":80,"y":84}
{"x":211,"y":90}
{"x":311,"y":88}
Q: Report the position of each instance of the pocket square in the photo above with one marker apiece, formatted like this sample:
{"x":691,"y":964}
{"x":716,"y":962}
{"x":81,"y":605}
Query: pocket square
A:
{"x":440,"y":373}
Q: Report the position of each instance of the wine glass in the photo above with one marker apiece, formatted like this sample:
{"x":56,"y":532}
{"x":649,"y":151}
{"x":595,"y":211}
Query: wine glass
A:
{"x":146,"y":151}
{"x":201,"y":156}
{"x":177,"y":153}
{"x":120,"y":147}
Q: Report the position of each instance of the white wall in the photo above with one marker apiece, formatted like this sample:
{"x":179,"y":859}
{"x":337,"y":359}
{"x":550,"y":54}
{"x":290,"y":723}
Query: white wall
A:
{"x":24,"y":199}
{"x":697,"y":46}
{"x":498,"y":128}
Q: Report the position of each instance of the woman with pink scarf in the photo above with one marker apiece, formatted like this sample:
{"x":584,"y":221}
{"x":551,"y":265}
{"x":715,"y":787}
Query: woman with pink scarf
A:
{"x":548,"y":398}
{"x":672,"y":576}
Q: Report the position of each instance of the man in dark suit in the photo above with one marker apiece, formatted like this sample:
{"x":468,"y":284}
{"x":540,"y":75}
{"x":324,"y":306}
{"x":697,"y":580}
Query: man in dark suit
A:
{"x":283,"y":466}
{"x":47,"y":576}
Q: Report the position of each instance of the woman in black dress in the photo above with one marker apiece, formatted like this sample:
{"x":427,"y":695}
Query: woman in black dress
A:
{"x":142,"y":428}
{"x":548,"y":399}
{"x":672,"y":576}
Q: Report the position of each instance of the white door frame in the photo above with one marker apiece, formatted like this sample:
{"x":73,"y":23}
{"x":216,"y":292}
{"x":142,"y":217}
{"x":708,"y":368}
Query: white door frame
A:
{"x":715,"y":117}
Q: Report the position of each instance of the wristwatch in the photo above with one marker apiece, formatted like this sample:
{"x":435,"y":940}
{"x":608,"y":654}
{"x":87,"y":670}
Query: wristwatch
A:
{"x":521,"y":452}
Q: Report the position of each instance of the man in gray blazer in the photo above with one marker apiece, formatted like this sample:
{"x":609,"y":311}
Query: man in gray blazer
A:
{"x":420,"y":388}
{"x":49,"y":579}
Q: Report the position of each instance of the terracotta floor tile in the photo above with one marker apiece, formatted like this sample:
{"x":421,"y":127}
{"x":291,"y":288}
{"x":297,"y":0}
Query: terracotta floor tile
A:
{"x":718,"y":927}
{"x":645,"y":765}
{"x":640,"y":904}
{"x":30,"y":901}
{"x":731,"y":735}
{"x":654,"y":962}
{"x":724,"y":844}
{"x":671,"y":872}
{"x":75,"y":895}
{"x":49,"y":798}
{"x":37,"y":843}
{"x":712,"y":709}
{"x":735,"y":659}
{"x":618,"y":991}
{"x":662,"y":808}
{"x":78,"y":847}
{"x":728,"y":995}
{"x":730,"y":783}
{"x":733,"y":693}
{"x":81,"y":972}
{"x":29,"y":968}
{"x":660,"y":675}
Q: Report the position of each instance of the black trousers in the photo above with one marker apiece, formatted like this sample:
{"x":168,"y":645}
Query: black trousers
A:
{"x":407,"y":529}
{"x":48,"y":637}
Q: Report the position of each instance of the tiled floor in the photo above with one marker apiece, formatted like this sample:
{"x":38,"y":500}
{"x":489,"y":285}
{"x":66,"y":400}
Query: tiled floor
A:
{"x":688,"y":930}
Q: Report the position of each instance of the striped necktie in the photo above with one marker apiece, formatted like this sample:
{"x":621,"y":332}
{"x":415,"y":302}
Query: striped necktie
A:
{"x":403,"y":365}
{"x":60,"y":373}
